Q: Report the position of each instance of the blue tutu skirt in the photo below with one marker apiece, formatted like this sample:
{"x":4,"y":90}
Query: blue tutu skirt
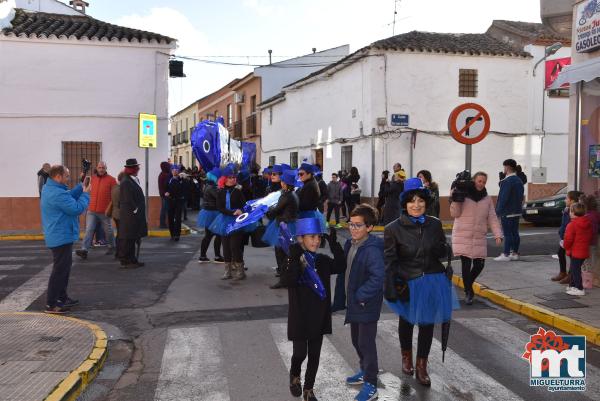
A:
{"x":316,"y":215}
{"x":271,"y":235}
{"x":432,"y":300}
{"x":206,"y":218}
{"x":220,"y":223}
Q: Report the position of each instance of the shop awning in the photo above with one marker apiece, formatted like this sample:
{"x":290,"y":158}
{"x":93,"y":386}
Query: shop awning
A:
{"x":586,"y":71}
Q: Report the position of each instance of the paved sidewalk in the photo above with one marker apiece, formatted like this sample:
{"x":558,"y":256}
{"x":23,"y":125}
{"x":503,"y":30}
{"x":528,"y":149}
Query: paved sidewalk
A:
{"x":44,"y":357}
{"x":524,"y":286}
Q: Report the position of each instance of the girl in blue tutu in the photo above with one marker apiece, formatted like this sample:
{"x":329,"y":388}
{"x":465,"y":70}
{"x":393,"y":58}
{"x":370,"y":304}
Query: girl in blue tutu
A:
{"x":230,"y":201}
{"x":416,"y":285}
{"x":310,"y":196}
{"x":207,"y":216}
{"x":286,"y":211}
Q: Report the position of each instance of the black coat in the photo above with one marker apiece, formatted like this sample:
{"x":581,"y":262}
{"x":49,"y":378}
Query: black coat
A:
{"x":309,"y":195}
{"x":391,"y":208}
{"x":132,"y":203}
{"x":273,"y":187}
{"x":176,"y":189}
{"x":210,"y":196}
{"x":309,"y":317}
{"x":413,"y":249}
{"x":286,"y":209}
{"x":237,"y":200}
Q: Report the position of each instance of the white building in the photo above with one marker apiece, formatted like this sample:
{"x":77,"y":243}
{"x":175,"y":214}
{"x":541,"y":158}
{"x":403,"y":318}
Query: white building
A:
{"x":72,"y":88}
{"x":329,"y":116}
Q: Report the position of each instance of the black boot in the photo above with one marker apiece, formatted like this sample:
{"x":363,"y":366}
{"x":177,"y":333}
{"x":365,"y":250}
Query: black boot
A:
{"x":295,"y":386}
{"x":309,"y":395}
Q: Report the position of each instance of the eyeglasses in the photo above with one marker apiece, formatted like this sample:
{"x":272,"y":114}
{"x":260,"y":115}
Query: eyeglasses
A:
{"x":356,"y":226}
{"x":301,"y":174}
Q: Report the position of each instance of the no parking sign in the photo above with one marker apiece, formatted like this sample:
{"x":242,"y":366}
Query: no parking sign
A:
{"x":469,"y":123}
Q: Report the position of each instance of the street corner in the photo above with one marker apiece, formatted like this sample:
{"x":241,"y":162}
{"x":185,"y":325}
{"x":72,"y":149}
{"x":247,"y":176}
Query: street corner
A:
{"x":61,"y":355}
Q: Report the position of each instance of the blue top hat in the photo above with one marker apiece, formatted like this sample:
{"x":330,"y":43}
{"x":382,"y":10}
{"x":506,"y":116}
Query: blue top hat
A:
{"x":175,"y":167}
{"x":277,"y":169}
{"x":413,"y":184}
{"x":286,"y":166}
{"x":214,"y":174}
{"x":267,"y":170}
{"x":227,"y":172}
{"x":308,"y":226}
{"x":309,"y":168}
{"x":289,"y":177}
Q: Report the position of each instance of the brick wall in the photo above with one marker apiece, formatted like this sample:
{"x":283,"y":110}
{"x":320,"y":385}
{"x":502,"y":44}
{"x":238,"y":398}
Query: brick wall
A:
{"x":537,"y":191}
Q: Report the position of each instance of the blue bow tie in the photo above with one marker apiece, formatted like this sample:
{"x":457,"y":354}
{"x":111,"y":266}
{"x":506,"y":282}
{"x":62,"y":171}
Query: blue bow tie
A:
{"x":420,"y":219}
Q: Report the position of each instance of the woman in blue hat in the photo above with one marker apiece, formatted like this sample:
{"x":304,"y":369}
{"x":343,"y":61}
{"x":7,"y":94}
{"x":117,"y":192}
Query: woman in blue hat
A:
{"x":230,"y":201}
{"x":275,"y":184}
{"x":309,"y":309}
{"x":414,"y":244}
{"x":208,"y":214}
{"x":285,"y":211}
{"x":310,"y":196}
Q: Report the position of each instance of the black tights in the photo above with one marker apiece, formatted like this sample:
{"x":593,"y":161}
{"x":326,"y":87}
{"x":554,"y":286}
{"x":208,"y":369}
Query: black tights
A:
{"x":470,"y":275}
{"x":208,"y":235}
{"x":233,"y":247}
{"x":312,"y":348}
{"x":405,"y":332}
{"x":562,"y":259}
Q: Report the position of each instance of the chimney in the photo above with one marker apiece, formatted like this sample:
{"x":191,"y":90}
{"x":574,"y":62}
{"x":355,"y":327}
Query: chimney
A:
{"x":79,"y":5}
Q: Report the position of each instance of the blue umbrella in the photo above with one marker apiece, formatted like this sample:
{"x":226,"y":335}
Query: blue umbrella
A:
{"x":247,"y":218}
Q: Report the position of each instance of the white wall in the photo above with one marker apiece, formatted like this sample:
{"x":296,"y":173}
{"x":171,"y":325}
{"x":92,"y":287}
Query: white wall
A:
{"x":424,"y":86}
{"x":54,"y":91}
{"x":281,"y":74}
{"x":47,"y":6}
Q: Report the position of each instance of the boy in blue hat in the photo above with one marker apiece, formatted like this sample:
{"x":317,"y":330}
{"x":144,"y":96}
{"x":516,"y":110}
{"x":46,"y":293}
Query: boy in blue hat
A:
{"x":309,"y":310}
{"x":285,"y":211}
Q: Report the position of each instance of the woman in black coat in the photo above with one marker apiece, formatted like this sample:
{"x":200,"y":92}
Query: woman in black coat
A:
{"x":208,"y":214}
{"x":309,"y":314}
{"x":414,"y":244}
{"x":310,"y":196}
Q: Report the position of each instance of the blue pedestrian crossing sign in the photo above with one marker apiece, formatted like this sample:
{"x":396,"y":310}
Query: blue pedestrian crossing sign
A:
{"x":147,"y":131}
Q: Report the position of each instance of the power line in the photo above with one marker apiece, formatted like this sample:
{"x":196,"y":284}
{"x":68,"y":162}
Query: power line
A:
{"x":291,"y":65}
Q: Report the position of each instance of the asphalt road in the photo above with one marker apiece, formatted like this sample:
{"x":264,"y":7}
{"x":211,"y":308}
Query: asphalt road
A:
{"x":177,"y":332}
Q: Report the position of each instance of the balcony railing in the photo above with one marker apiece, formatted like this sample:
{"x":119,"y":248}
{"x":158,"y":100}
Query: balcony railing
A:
{"x":251,"y":125}
{"x":237,"y":129}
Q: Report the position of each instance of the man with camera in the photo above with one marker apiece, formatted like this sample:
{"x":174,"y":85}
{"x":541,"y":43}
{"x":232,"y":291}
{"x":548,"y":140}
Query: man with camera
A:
{"x":509,"y":207}
{"x":102,"y":184}
{"x":60,"y":209}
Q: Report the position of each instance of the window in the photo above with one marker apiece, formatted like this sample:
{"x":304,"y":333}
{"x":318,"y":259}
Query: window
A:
{"x":194,"y":119}
{"x":467,"y":83}
{"x":294,"y":159}
{"x":346,"y":157}
{"x":180,"y":160}
{"x":270,"y":116}
{"x":216,"y":114}
{"x":229,"y":115}
{"x":562,"y":92}
{"x":271,"y":160}
{"x":253,"y":104}
{"x":187,"y":126}
{"x":74,"y":152}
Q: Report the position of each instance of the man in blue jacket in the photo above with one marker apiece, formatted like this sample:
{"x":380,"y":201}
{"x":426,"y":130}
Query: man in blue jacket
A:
{"x":509,"y":208}
{"x":363,"y":284}
{"x":61,"y":209}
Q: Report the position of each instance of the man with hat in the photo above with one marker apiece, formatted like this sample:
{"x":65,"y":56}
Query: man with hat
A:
{"x":132,"y":226}
{"x":509,"y":207}
{"x":286,"y":211}
{"x":176,"y":202}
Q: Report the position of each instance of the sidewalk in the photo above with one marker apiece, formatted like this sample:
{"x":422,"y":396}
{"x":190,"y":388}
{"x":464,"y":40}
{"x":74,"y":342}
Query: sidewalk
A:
{"x":44,"y":357}
{"x":525,"y":287}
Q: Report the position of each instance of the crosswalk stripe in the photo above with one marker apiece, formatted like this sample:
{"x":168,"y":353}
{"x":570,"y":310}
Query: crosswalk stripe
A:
{"x":456,"y":375}
{"x":10,"y":267}
{"x":333,"y":369}
{"x":512,"y":340}
{"x":16,"y":258}
{"x":23,"y":296}
{"x":192,"y":366}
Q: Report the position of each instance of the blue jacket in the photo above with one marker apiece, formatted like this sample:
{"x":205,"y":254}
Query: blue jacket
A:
{"x":60,"y":212}
{"x":510,"y":198}
{"x":566,"y":219}
{"x":365,"y":282}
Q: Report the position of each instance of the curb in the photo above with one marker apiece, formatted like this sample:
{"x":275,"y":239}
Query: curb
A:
{"x":185,"y":230}
{"x":74,"y":384}
{"x":564,"y":323}
{"x":446,"y":227}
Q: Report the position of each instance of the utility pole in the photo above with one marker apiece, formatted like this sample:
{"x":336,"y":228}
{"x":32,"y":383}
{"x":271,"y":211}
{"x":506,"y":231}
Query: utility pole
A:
{"x":395,"y":13}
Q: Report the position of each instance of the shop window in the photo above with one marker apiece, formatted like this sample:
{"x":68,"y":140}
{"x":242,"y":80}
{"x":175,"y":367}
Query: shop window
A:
{"x":74,"y":152}
{"x":467,"y":83}
{"x":271,"y":160}
{"x":346,"y":157}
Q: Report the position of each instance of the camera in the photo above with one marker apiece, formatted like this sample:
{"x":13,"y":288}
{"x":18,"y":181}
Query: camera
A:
{"x":86,"y":165}
{"x":461,"y":186}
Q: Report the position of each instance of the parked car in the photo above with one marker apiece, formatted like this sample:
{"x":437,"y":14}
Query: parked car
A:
{"x":546,"y":211}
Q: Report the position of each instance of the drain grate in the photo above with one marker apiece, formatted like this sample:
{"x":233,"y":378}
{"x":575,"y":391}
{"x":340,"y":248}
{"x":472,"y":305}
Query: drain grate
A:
{"x":563,"y":304}
{"x":554,"y":296}
{"x":49,"y":339}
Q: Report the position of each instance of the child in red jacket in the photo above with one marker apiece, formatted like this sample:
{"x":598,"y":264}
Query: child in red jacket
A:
{"x":578,"y":237}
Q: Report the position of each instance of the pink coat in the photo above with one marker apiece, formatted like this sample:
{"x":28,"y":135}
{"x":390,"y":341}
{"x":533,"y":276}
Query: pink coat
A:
{"x":471,"y":221}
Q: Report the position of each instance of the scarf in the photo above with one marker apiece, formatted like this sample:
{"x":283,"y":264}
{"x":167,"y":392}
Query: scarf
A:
{"x":476,"y":195}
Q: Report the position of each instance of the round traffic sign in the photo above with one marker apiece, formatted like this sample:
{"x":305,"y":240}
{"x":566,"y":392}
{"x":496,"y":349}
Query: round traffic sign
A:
{"x":469,"y":123}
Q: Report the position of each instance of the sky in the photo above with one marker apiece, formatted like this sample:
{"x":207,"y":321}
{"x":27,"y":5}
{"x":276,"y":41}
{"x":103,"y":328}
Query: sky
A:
{"x":242,"y":31}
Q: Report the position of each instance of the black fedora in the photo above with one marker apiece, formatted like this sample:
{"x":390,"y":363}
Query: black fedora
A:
{"x":131,"y":163}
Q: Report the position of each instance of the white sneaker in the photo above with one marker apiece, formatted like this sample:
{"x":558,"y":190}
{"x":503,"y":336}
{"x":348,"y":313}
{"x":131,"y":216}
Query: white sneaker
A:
{"x":568,"y":288}
{"x":514,"y":256}
{"x":576,"y":291}
{"x":502,"y":258}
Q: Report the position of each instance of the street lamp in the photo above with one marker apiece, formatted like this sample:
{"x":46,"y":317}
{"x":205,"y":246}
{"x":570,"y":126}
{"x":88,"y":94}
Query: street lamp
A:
{"x":550,"y":50}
